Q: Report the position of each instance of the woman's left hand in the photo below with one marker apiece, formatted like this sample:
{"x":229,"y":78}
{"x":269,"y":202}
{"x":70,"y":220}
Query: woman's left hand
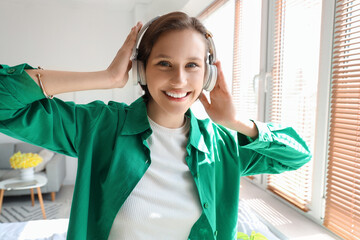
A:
{"x":221,"y":108}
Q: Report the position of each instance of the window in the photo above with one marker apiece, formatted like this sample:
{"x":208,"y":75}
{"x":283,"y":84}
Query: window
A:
{"x":246,"y":66}
{"x":280,"y":76}
{"x":293,"y":89}
{"x":275,"y":76}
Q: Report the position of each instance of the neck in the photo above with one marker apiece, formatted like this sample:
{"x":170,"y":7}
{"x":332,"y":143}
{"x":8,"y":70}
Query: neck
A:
{"x":168,"y":120}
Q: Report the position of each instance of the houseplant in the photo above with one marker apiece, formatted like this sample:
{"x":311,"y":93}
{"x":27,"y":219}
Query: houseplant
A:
{"x":25,"y":162}
{"x":254,"y":236}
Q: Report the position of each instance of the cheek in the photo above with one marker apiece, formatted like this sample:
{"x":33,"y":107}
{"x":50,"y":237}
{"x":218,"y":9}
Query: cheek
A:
{"x":199,"y":79}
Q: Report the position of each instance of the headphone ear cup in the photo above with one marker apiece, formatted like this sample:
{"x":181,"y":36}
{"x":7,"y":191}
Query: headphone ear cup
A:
{"x":210,"y":77}
{"x":134,"y":69}
{"x":206,"y":77}
{"x":141,"y":73}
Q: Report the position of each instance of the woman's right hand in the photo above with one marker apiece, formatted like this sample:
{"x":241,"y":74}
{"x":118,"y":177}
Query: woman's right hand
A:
{"x":121,"y":65}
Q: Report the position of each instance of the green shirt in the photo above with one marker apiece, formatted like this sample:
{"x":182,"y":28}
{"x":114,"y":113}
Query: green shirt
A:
{"x":109,"y":141}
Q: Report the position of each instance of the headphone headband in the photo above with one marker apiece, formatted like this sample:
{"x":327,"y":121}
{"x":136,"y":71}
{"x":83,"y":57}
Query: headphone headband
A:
{"x":139,"y":37}
{"x":212,"y":50}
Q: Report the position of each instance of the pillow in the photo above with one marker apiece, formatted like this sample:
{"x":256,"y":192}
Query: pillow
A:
{"x":46,"y":156}
{"x":248,"y":222}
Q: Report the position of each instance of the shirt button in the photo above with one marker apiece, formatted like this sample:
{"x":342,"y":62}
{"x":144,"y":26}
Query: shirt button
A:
{"x":206,"y":205}
{"x":147,"y":161}
{"x":11,"y":70}
{"x":215,"y":233}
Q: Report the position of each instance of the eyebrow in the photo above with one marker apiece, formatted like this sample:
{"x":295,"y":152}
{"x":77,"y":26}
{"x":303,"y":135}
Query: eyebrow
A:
{"x":168,"y":57}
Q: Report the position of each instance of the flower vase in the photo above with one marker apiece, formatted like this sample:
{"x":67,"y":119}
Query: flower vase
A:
{"x":27,"y":174}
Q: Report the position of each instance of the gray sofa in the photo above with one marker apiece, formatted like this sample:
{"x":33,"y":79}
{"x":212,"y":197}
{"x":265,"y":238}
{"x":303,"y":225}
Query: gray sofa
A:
{"x":54,"y":169}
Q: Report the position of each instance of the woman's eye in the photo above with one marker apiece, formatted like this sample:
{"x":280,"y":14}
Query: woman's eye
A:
{"x":192,"y":65}
{"x":164,"y":64}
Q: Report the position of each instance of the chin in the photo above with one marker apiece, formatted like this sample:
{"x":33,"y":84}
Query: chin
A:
{"x":177,"y":110}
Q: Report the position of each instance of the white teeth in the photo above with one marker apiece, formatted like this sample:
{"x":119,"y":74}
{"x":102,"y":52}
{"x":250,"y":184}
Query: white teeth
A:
{"x":176,"y":95}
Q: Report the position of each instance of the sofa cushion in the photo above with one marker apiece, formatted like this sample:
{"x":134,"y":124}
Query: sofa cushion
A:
{"x":46,"y":155}
{"x":9,"y":173}
{"x":6,"y":151}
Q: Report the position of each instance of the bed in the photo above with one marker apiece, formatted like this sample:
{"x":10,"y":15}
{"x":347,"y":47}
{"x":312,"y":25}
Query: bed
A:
{"x":249,"y":221}
{"x":56,"y":229}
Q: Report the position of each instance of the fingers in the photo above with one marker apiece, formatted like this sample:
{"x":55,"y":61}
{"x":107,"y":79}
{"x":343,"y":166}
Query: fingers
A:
{"x":139,"y":24}
{"x":131,"y":38}
{"x":220,"y":82}
{"x":220,"y":74}
{"x":203,"y":99}
{"x":129,"y":66}
{"x":136,"y":28}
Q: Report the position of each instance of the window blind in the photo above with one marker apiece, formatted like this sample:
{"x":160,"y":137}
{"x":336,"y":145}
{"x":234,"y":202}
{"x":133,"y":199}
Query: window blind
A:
{"x":246,"y":56}
{"x":342,"y":212}
{"x":293,"y":88}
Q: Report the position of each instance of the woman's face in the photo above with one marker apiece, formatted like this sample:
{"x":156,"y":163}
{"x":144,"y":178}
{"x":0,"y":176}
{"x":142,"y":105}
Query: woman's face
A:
{"x":175,"y":72}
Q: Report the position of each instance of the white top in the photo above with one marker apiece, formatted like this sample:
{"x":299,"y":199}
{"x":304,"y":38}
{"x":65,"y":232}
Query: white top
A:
{"x":165,"y":203}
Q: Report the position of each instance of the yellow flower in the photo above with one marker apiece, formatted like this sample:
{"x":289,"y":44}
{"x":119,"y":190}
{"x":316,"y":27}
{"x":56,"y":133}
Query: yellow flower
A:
{"x":25,"y":160}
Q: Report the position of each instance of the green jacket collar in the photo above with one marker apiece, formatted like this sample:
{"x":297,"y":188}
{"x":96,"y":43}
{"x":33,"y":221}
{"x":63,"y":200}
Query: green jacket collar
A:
{"x":196,"y":139}
{"x":136,"y":122}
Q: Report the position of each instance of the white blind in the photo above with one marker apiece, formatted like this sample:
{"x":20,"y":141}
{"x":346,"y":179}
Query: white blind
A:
{"x":293,"y":89}
{"x":246,"y":63}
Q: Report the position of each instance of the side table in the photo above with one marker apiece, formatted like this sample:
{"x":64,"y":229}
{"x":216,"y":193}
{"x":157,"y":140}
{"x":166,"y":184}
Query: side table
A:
{"x":19,"y":184}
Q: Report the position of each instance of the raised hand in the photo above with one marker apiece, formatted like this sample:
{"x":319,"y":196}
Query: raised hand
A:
{"x":121,"y":65}
{"x":221,"y":108}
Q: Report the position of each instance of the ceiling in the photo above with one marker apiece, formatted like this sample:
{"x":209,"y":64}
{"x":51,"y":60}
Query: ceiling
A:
{"x":141,"y":9}
{"x":153,"y":7}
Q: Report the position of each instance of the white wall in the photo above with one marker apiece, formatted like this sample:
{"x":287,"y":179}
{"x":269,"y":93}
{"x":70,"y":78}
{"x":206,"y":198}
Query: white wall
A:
{"x":77,"y":35}
{"x":66,"y":36}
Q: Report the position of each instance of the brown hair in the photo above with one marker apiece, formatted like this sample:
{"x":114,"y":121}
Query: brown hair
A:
{"x":169,"y":22}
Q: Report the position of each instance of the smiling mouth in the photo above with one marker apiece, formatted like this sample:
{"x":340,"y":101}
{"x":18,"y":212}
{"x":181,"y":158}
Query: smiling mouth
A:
{"x":177,"y":95}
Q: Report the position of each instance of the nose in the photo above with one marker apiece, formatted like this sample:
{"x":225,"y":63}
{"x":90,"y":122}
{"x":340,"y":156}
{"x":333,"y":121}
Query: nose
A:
{"x":179,"y":77}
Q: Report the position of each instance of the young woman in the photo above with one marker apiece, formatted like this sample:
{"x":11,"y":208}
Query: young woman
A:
{"x":150,"y":170}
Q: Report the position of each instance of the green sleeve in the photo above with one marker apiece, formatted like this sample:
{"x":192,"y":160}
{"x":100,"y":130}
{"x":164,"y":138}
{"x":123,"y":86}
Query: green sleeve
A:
{"x":277,"y":149}
{"x":27,"y":115}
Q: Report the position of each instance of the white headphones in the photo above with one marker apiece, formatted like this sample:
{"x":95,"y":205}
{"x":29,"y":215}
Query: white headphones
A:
{"x":138,"y":68}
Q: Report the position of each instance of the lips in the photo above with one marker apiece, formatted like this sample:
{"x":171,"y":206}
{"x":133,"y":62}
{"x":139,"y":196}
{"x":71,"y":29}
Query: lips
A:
{"x":177,"y":95}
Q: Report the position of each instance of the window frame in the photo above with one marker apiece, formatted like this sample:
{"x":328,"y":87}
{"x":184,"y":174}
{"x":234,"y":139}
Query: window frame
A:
{"x":323,"y":117}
